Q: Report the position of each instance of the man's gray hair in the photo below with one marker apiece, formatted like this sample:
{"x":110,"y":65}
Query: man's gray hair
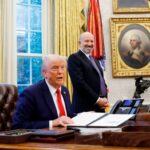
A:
{"x":136,"y":37}
{"x":51,"y":57}
{"x":82,"y":35}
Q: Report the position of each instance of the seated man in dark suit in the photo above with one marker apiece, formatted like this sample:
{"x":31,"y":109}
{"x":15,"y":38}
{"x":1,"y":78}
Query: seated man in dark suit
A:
{"x":42,"y":105}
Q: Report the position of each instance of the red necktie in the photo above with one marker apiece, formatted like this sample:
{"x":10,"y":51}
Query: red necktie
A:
{"x":59,"y":102}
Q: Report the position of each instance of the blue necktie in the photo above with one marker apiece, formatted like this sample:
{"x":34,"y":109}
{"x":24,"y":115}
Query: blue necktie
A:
{"x":102,"y":82}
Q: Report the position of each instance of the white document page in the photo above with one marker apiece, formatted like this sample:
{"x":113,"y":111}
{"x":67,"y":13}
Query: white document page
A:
{"x":87,"y":131}
{"x":83,"y":119}
{"x":112,"y":120}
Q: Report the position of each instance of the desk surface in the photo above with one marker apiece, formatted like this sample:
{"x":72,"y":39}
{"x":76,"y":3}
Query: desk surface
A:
{"x":49,"y":146}
{"x":68,"y":144}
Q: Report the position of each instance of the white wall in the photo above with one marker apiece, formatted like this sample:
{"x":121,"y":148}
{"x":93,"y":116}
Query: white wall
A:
{"x":119,"y":87}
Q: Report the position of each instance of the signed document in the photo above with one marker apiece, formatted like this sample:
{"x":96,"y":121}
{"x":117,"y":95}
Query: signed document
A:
{"x":112,"y":120}
{"x":86,"y":118}
{"x":95,"y":119}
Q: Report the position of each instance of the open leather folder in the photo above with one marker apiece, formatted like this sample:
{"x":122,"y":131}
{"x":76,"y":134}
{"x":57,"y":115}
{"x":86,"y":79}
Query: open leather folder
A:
{"x":95,"y":119}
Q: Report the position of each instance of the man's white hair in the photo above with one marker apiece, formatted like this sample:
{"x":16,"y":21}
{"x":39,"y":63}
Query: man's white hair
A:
{"x":50,"y":58}
{"x":136,"y":37}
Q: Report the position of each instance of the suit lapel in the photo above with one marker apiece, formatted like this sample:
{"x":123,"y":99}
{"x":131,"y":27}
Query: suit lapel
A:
{"x":66,"y":97}
{"x":48,"y":99}
{"x":83,"y":56}
{"x":64,"y":94}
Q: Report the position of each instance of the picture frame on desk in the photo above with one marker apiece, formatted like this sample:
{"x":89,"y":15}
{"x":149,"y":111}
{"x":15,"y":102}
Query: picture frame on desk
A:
{"x":131,"y":6}
{"x":128,"y":59}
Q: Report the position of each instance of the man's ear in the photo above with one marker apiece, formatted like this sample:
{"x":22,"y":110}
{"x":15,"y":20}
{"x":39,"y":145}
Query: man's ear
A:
{"x":44,"y":73}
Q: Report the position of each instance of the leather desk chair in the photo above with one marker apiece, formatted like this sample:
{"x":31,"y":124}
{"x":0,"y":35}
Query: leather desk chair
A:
{"x":8,"y":97}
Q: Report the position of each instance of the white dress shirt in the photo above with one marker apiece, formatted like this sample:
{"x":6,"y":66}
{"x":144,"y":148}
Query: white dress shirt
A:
{"x":52,"y":91}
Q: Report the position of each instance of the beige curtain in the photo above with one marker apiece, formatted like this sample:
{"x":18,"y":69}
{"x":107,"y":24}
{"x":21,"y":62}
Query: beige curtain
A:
{"x":9,"y":55}
{"x":67,"y":20}
{"x":47,"y":27}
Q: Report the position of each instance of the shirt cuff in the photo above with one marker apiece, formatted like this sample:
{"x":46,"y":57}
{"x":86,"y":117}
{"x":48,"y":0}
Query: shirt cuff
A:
{"x":97,"y":100}
{"x":50,"y":125}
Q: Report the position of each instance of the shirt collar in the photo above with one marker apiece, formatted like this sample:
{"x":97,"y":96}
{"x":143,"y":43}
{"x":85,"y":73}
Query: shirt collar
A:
{"x":87,"y":55}
{"x":51,"y":88}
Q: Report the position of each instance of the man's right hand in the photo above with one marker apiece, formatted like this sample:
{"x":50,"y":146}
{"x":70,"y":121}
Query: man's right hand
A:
{"x":103,"y":103}
{"x":62,"y":121}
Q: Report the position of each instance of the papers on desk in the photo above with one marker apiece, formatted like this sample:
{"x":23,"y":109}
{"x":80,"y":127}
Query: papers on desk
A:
{"x":89,"y":131}
{"x":94,"y":119}
{"x":85,"y":118}
{"x":112,"y":120}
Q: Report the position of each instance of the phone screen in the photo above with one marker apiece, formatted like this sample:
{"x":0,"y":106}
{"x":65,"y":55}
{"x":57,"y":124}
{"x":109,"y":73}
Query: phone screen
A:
{"x":133,"y":111}
{"x":127,"y":103}
{"x":137,"y":103}
{"x":123,"y":110}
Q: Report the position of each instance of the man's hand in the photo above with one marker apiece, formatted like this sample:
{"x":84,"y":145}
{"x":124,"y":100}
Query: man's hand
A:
{"x":103,"y":103}
{"x":62,"y":121}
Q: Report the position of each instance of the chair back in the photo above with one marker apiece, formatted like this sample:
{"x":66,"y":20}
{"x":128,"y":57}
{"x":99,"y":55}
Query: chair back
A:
{"x":8,"y":97}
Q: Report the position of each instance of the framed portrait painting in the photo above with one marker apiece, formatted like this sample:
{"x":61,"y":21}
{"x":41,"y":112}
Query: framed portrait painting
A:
{"x":130,"y":40}
{"x":131,"y":6}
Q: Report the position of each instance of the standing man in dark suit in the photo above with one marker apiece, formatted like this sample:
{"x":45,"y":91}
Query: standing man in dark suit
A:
{"x":37,"y":105}
{"x":89,"y":88}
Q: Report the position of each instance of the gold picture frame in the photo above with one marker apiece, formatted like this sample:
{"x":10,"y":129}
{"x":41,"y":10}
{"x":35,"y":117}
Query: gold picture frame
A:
{"x":131,"y":6}
{"x":127,"y":62}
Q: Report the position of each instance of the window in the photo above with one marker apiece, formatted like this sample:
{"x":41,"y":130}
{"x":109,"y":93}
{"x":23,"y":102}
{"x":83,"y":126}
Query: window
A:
{"x":29,"y":42}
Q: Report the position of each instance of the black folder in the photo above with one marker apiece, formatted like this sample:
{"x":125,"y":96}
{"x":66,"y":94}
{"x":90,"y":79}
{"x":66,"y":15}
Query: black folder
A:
{"x":22,"y":135}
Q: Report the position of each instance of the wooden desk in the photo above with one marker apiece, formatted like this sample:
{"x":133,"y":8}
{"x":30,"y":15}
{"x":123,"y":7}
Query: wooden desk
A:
{"x":69,"y":144}
{"x":49,"y":146}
